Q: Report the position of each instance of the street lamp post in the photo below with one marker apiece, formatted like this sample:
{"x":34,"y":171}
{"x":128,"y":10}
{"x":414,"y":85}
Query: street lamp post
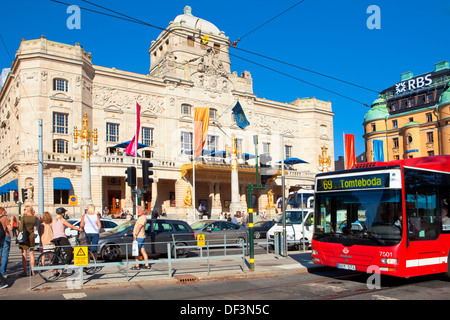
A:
{"x":85,"y":136}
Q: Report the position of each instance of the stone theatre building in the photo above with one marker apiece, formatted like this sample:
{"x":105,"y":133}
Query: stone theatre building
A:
{"x":189,"y":67}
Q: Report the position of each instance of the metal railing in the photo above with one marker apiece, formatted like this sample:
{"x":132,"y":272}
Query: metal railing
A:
{"x":130,"y":261}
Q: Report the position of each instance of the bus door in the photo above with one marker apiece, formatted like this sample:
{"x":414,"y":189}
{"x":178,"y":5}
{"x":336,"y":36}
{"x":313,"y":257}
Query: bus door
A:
{"x":424,"y":254}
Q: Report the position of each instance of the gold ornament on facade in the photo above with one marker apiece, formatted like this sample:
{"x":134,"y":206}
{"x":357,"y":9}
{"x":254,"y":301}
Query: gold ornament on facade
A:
{"x":270,"y":199}
{"x":188,"y":198}
{"x":85,"y":135}
{"x":324,"y":160}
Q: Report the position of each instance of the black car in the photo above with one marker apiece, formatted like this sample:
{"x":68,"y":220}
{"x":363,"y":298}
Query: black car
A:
{"x":260,"y":228}
{"x":115,"y":244}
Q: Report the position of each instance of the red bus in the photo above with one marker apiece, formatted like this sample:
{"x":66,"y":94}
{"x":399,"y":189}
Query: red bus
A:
{"x":391,"y":215}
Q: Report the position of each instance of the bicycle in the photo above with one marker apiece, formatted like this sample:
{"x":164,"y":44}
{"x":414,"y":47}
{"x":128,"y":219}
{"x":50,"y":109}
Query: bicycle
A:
{"x":56,"y":256}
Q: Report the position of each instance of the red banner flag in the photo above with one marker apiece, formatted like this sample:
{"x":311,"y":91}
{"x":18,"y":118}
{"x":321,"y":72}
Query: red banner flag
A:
{"x":350,"y":157}
{"x":133,"y":146}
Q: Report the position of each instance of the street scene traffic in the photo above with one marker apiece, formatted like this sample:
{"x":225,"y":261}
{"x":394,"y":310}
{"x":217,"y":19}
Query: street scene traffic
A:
{"x":285,"y":151}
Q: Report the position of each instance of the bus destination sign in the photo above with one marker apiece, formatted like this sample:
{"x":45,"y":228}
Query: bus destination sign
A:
{"x":369,"y":181}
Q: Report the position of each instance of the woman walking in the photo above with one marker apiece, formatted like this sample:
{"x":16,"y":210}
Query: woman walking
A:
{"x":28,"y":222}
{"x":92,"y":225}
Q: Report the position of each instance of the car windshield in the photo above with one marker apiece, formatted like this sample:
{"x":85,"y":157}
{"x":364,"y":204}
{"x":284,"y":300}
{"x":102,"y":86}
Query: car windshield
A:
{"x":294,"y":217}
{"x":122,"y":227}
{"x":199,"y":225}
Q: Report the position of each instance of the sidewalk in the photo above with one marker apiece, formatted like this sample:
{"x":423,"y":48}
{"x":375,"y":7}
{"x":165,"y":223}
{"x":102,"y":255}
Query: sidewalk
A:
{"x":185,"y":271}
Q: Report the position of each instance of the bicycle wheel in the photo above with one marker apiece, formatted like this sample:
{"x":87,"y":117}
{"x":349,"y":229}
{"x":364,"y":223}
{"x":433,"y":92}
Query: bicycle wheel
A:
{"x":47,"y":259}
{"x":92,"y":269}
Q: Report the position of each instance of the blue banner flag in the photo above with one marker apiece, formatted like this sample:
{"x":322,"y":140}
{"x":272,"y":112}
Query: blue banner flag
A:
{"x":378,"y":153}
{"x":241,"y":120}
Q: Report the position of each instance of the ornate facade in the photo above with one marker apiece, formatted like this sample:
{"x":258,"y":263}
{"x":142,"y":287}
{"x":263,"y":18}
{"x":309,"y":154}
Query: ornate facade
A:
{"x":189,"y":67}
{"x":411,"y":118}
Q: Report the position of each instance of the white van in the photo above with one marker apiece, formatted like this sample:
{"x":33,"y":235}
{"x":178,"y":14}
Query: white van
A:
{"x":296,"y":224}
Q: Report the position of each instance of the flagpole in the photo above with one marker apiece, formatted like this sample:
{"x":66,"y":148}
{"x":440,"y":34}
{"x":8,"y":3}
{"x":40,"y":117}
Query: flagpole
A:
{"x":345,"y":151}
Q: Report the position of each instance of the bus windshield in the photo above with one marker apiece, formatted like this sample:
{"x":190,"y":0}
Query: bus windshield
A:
{"x":369,"y":217}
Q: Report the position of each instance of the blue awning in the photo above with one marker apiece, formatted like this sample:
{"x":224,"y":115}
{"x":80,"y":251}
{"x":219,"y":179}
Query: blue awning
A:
{"x":62,"y":184}
{"x":12,"y":185}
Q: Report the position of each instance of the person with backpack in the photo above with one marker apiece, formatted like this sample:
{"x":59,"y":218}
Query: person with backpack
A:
{"x":5,"y":244}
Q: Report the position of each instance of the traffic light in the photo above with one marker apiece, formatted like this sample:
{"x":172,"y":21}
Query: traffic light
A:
{"x":265,"y":169}
{"x":16,"y":196}
{"x":131,"y":176}
{"x":146,"y":180}
{"x":24,"y":194}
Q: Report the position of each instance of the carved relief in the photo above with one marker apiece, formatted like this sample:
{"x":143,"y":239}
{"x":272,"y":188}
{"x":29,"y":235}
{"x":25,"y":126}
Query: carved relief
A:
{"x":270,"y":122}
{"x":105,"y":96}
{"x":211,"y":75}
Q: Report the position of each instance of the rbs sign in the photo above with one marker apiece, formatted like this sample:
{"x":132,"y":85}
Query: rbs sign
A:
{"x":413,"y":84}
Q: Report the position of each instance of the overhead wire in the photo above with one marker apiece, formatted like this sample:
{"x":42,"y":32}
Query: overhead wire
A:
{"x":138,"y":21}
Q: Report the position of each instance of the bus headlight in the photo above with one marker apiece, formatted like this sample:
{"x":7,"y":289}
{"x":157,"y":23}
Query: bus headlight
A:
{"x":389,"y":261}
{"x":314,"y":252}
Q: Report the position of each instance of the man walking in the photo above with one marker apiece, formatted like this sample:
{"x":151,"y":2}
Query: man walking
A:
{"x":139,"y":236}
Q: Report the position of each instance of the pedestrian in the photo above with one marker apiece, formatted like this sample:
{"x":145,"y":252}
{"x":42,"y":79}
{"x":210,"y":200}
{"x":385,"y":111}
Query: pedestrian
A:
{"x":235,"y":220}
{"x":139,"y":236}
{"x":92,"y":225}
{"x":59,"y":225}
{"x":105,"y":212}
{"x":5,"y":240}
{"x":45,"y":231}
{"x":15,"y":227}
{"x":28,"y":222}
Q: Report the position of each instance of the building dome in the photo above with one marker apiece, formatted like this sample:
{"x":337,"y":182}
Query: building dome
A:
{"x":444,"y":98}
{"x":377,"y":111}
{"x":188,"y":20}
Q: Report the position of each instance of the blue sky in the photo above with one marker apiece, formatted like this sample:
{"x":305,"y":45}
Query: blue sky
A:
{"x":329,"y":37}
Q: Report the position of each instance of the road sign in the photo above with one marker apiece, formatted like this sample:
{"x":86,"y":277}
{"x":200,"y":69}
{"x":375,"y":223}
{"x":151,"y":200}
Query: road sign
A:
{"x":200,"y":240}
{"x":80,"y":256}
{"x":73,"y":200}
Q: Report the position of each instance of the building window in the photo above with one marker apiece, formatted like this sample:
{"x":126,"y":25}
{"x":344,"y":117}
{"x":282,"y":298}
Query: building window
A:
{"x":430,"y":137}
{"x":186,"y":109}
{"x":212,"y":143}
{"x":147,"y":136}
{"x":429,"y":117}
{"x":409,"y":139}
{"x":112,"y":132}
{"x":60,"y":85}
{"x":395,"y":142}
{"x":186,"y":143}
{"x":394,"y":106}
{"x":60,"y":146}
{"x":288,"y":151}
{"x":404,"y":103}
{"x":394,"y":124}
{"x":60,"y":196}
{"x":411,"y":102}
{"x":429,"y":97}
{"x":212,"y":113}
{"x":411,"y":119}
{"x":374,"y":127}
{"x":430,"y":153}
{"x":60,"y":123}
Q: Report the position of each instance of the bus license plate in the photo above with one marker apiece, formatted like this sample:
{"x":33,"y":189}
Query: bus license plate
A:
{"x":346,"y":266}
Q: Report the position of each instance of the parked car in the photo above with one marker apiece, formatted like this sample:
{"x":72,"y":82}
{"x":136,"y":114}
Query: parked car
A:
{"x":217,"y":231}
{"x":116,"y":243}
{"x":260,"y":228}
{"x":107,"y":225}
